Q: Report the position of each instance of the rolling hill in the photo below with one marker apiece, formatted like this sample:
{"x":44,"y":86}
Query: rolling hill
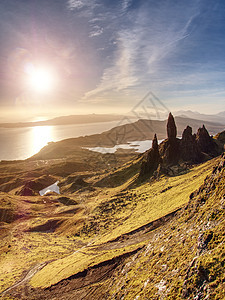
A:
{"x":107,"y":235}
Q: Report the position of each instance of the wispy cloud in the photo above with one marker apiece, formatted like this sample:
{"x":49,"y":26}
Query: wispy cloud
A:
{"x":117,"y":50}
{"x":97,"y":30}
{"x":120,"y":75}
{"x":142,"y":46}
{"x":125,"y":5}
{"x":84,"y":7}
{"x":75,"y":4}
{"x":145,"y":45}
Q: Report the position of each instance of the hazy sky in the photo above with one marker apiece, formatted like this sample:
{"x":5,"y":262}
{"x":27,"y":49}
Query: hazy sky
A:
{"x":107,"y":54}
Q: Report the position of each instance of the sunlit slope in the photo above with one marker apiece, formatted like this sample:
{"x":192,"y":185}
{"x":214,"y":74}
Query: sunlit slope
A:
{"x":123,"y":215}
{"x":181,"y":258}
{"x":184,"y":259}
{"x":56,"y":239}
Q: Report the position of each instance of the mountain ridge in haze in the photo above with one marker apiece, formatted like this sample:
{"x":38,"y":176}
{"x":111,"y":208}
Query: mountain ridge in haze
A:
{"x":67,"y":120}
{"x":218,"y":118}
{"x":97,"y":118}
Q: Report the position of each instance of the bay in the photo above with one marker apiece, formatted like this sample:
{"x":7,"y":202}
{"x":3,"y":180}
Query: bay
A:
{"x":21,"y":143}
{"x":137,"y":146}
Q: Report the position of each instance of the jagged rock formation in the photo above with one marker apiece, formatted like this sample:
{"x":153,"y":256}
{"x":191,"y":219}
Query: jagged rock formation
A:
{"x":173,"y":154}
{"x":205,"y":142}
{"x":152,"y":159}
{"x":189,"y":150}
{"x":171,"y":128}
{"x":169,"y":151}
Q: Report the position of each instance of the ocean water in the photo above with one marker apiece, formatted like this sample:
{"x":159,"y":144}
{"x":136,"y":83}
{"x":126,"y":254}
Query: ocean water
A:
{"x":21,"y":143}
{"x":138,"y":146}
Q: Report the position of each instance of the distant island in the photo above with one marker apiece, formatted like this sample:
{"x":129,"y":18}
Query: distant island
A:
{"x":218,"y":119}
{"x":66,"y":120}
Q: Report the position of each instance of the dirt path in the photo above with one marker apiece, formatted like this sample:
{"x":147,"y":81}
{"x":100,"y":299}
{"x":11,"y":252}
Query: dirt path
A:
{"x":37,"y":268}
{"x":124,"y":240}
{"x":28,"y":276}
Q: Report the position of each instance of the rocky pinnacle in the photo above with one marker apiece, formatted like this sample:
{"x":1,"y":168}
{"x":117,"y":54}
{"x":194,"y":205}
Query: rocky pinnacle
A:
{"x":171,"y":127}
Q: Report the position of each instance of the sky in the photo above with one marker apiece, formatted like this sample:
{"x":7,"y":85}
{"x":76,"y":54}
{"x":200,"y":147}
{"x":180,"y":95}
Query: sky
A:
{"x":105,"y":56}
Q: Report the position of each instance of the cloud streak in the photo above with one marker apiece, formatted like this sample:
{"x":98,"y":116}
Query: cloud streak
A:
{"x":149,"y":37}
{"x":116,"y":51}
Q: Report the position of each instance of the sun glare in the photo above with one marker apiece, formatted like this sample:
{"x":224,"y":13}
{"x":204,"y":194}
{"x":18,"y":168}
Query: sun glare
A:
{"x":40,"y":80}
{"x":40,"y":137}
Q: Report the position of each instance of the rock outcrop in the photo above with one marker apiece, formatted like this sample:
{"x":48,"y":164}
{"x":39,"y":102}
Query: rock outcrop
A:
{"x":152,"y":159}
{"x":189,"y":150}
{"x":169,"y":147}
{"x":169,"y":151}
{"x":205,"y":142}
{"x":173,"y":154}
{"x":171,"y":128}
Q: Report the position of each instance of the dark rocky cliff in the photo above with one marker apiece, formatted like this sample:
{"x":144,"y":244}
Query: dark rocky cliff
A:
{"x":173,"y":153}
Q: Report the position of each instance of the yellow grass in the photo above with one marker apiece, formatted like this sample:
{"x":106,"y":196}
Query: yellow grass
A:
{"x":152,"y":203}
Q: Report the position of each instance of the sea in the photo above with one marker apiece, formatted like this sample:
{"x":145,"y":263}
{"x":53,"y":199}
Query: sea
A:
{"x":22,"y":143}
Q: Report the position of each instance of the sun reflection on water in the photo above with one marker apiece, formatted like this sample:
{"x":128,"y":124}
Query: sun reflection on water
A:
{"x":41,"y":136}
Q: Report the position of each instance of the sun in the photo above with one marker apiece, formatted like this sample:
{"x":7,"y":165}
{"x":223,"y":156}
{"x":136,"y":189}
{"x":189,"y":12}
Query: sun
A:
{"x":40,"y":79}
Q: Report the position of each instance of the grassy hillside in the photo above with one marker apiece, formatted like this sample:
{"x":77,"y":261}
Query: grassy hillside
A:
{"x":179,"y":257}
{"x":111,"y":221}
{"x":87,"y":237}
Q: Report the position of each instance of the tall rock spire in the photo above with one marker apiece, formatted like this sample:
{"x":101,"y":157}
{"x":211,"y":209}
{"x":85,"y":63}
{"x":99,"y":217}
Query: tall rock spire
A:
{"x":152,"y":159}
{"x":169,"y":149}
{"x":171,"y":128}
{"x":155,"y":145}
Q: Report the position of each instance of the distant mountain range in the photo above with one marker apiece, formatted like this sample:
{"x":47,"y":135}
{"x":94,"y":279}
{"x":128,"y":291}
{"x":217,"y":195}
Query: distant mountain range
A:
{"x":217,"y":118}
{"x":98,"y":118}
{"x":67,"y":120}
